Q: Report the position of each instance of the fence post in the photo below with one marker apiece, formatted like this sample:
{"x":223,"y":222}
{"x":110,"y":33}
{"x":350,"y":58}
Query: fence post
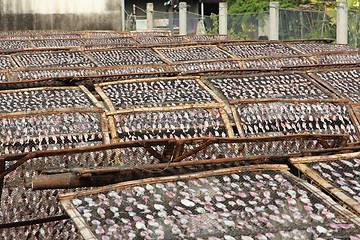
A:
{"x":150,"y":16}
{"x":342,"y":22}
{"x":274,"y":21}
{"x":182,"y":18}
{"x":223,"y":18}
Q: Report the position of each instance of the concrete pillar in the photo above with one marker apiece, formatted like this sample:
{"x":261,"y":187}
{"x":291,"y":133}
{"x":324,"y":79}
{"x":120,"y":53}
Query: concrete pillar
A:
{"x":274,"y":21}
{"x":150,"y":16}
{"x":223,"y":18}
{"x":182,"y":18}
{"x":341,"y":22}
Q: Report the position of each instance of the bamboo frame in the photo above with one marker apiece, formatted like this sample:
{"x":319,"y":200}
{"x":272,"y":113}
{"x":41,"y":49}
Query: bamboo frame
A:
{"x":14,"y":57}
{"x":327,"y":85}
{"x":168,"y":108}
{"x":111,"y":107}
{"x":300,"y":164}
{"x":169,"y":61}
{"x":271,"y":58}
{"x":328,"y":200}
{"x":338,"y":193}
{"x":265,"y":100}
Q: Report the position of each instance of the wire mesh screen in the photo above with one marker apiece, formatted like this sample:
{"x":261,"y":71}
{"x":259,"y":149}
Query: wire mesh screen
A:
{"x":50,"y":131}
{"x":339,"y":58}
{"x":345,"y":82}
{"x":261,"y":204}
{"x":247,"y":26}
{"x":343,"y":174}
{"x":285,"y":85}
{"x":256,"y":148}
{"x":176,"y":124}
{"x":314,"y":47}
{"x":43,"y":98}
{"x":207,"y":66}
{"x":354,"y":27}
{"x":157,"y":92}
{"x":54,"y":230}
{"x":295,"y":24}
{"x":278,"y":62}
{"x":281,"y":118}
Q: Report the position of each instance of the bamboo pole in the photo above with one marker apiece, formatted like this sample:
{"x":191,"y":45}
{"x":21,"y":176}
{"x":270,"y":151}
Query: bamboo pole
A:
{"x":168,"y":108}
{"x":128,"y":184}
{"x":79,"y":221}
{"x":90,"y":96}
{"x":51,"y":111}
{"x":237,"y":122}
{"x":327,"y":199}
{"x":338,"y":193}
{"x":295,"y":101}
{"x":225,"y":118}
{"x":334,"y":157}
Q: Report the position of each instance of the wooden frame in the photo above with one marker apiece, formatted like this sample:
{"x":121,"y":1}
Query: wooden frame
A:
{"x":111,"y":107}
{"x":238,"y":123}
{"x":314,"y":75}
{"x":301,"y":165}
{"x":332,"y":96}
{"x":169,"y":61}
{"x":67,"y":205}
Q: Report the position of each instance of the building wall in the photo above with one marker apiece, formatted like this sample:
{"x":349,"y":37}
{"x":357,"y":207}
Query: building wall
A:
{"x":60,"y":14}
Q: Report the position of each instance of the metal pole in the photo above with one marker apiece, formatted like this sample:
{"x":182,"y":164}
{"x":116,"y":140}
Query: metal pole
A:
{"x":182,"y":18}
{"x":274,"y":21}
{"x":150,"y":16}
{"x":342,"y":22}
{"x":171,"y":18}
{"x":223,"y":18}
{"x":123,"y":15}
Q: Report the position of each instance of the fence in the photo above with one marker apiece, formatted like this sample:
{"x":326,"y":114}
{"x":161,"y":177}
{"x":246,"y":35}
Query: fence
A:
{"x":293,"y":24}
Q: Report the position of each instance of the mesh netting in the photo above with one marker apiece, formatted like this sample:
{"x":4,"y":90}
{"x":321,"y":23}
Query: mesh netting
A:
{"x":57,"y":43}
{"x":339,"y":58}
{"x":254,"y":148}
{"x":122,"y":57}
{"x":5,"y":63}
{"x":156,"y":93}
{"x":295,"y":24}
{"x":53,"y":59}
{"x":343,"y":174}
{"x":161,"y":40}
{"x":54,"y":230}
{"x":288,"y":85}
{"x":193,"y":53}
{"x":170,"y":124}
{"x":264,"y":205}
{"x":280,"y":118}
{"x":345,"y":82}
{"x":49,"y":131}
{"x":117,"y":41}
{"x":39,"y":99}
{"x":313,"y":47}
{"x":196,"y":67}
{"x":40,"y":74}
{"x":259,"y":49}
{"x":3,"y":77}
{"x":278,"y":62}
{"x":14,"y":45}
